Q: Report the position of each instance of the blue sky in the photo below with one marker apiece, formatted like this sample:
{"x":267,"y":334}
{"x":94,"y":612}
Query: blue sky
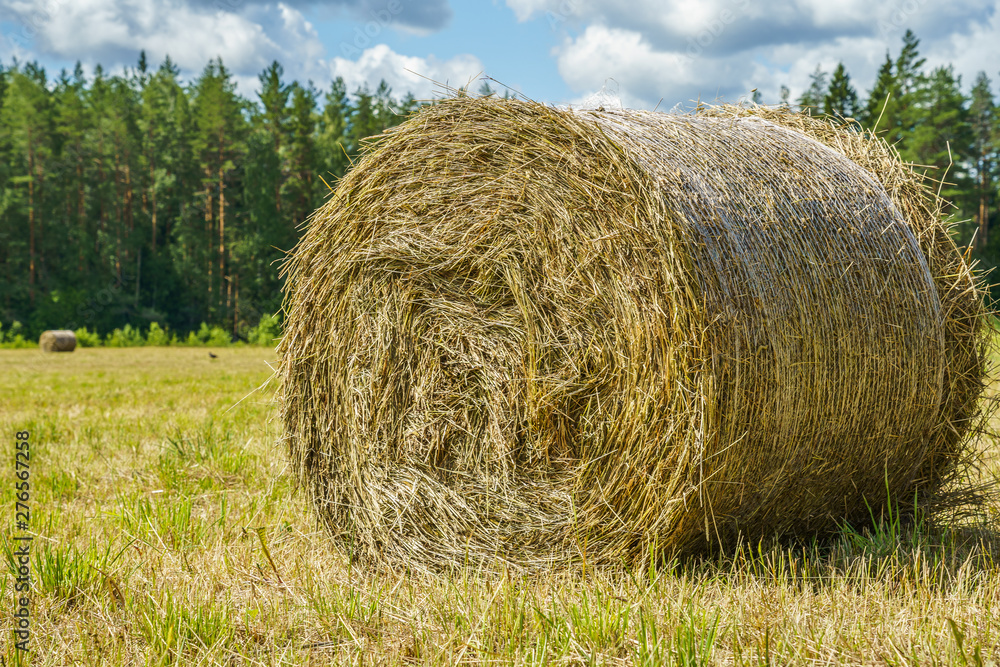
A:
{"x":516,"y":53}
{"x":558,"y":51}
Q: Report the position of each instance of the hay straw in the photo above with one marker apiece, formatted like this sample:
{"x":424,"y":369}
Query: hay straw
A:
{"x":519,"y":336}
{"x":57,"y":340}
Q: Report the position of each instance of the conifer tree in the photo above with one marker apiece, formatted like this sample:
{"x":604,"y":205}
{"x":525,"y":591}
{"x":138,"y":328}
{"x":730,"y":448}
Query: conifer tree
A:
{"x":812,"y":98}
{"x":217,"y":145}
{"x":362,"y":120}
{"x":72,"y":123}
{"x":841,"y":99}
{"x":302,"y":159}
{"x":25,"y":129}
{"x":909,"y":64}
{"x":983,"y":119}
{"x":911,"y":83}
{"x":937,"y":123}
{"x":333,"y":140}
{"x":879,"y":110}
{"x":273,"y":118}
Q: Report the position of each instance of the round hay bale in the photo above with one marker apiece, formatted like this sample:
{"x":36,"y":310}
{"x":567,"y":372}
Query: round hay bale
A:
{"x":523,"y":335}
{"x":58,"y":340}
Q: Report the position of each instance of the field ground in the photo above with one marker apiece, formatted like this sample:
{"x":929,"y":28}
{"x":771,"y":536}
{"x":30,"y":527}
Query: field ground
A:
{"x":168,"y":532}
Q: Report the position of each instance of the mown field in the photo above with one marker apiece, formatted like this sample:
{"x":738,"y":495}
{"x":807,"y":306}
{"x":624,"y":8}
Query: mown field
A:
{"x":167,"y":531}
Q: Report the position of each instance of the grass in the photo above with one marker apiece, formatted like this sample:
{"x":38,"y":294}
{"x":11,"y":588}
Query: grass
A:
{"x":168,"y":532}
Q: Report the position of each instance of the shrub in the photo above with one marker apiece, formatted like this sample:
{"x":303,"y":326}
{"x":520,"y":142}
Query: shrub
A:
{"x":157,"y":335}
{"x":266,"y":332}
{"x":85,"y":338}
{"x":219,"y":337}
{"x":126,"y":337}
{"x":210,"y":336}
{"x":14,"y":337}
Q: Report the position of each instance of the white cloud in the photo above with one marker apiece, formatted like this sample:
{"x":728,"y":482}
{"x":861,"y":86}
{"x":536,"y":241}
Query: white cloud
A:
{"x":247,"y":38}
{"x":422,"y":17}
{"x":972,"y":52}
{"x":114,"y":31}
{"x":405,"y":73}
{"x":601,"y":53}
{"x":682,"y":50}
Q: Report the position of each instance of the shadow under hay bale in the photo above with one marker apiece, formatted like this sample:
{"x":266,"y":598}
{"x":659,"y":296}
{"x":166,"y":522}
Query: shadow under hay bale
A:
{"x":58,"y":340}
{"x":519,"y":335}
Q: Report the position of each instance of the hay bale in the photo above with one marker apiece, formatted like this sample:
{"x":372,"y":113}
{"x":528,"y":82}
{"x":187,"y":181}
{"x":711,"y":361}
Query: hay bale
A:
{"x":523,"y":335}
{"x":58,"y":340}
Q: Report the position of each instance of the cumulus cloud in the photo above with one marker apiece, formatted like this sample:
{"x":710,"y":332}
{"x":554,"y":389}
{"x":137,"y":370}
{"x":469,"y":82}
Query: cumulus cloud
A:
{"x":683,"y":50}
{"x":114,"y":31}
{"x":406,"y":73}
{"x":423,"y":15}
{"x":247,"y":35}
{"x":603,"y":54}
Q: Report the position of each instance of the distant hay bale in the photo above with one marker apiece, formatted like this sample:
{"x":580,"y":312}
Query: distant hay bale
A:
{"x":519,"y":335}
{"x":58,"y":340}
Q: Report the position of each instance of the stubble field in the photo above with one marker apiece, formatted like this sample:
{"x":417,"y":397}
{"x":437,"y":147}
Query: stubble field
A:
{"x":166,"y":530}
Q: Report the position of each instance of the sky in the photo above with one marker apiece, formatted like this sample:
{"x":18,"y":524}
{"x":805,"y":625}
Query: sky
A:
{"x":645,"y":53}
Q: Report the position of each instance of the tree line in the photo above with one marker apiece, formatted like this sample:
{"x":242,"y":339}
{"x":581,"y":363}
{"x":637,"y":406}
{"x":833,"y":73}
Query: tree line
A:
{"x":135,"y":198}
{"x":951,"y":135}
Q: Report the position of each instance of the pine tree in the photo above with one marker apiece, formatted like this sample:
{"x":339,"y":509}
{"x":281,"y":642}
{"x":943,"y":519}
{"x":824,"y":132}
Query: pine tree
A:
{"x":126,"y":143}
{"x":362,"y":120}
{"x":26,"y":130}
{"x":937,"y":132}
{"x":164,"y":123}
{"x":911,"y":83}
{"x":909,"y":65}
{"x":333,"y":136}
{"x":217,"y":144}
{"x":784,"y":96}
{"x":264,"y":236}
{"x":172,"y":177}
{"x":4,"y":74}
{"x":385,"y":115}
{"x":302,"y":158}
{"x":74,"y":120}
{"x":983,"y":118}
{"x":409,"y":104}
{"x":880,"y":108}
{"x":9,"y":250}
{"x":841,"y":99}
{"x":812,"y":98}
{"x":101,"y":194}
{"x":274,"y":116}
{"x":115,"y":149}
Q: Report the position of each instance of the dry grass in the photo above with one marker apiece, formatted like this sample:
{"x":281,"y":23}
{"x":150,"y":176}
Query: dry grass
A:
{"x":520,"y":336}
{"x":159,"y":508}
